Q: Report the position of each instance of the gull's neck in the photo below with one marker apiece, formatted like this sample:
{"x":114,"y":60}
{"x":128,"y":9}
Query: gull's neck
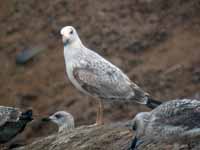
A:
{"x":66,"y":127}
{"x":76,"y":44}
{"x":71,"y":49}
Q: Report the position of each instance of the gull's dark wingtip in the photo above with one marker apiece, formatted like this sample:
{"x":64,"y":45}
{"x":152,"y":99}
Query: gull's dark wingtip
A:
{"x":28,"y":114}
{"x":152,"y":103}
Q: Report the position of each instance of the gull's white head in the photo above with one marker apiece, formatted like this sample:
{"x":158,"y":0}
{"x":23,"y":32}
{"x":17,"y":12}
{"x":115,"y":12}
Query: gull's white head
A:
{"x":69,"y":35}
{"x":63,"y":119}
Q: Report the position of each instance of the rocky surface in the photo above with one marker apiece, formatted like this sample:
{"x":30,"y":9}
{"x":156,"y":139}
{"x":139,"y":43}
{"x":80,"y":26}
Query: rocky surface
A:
{"x":113,"y":137}
{"x":155,"y":42}
{"x":108,"y":137}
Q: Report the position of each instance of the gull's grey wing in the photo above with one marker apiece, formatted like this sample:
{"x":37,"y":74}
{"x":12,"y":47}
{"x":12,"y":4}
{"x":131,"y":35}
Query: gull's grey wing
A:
{"x":184,"y":113}
{"x":8,"y":114}
{"x":99,"y":77}
{"x":174,"y":120}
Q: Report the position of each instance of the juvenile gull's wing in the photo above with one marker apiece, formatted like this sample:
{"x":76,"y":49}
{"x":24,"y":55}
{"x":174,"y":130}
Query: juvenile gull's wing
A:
{"x":100,"y":78}
{"x":8,"y":114}
{"x":185,"y":113}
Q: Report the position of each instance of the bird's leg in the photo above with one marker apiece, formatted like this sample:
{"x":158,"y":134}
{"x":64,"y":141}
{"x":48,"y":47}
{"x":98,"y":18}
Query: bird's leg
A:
{"x":99,"y":119}
{"x":97,"y":114}
{"x":133,"y":144}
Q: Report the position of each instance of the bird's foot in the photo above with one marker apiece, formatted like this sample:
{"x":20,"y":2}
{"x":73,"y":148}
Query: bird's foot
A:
{"x":96,"y":124}
{"x":93,"y":125}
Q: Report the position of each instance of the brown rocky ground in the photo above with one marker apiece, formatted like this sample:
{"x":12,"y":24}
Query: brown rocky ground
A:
{"x":107,"y":137}
{"x":155,"y":42}
{"x":114,"y":137}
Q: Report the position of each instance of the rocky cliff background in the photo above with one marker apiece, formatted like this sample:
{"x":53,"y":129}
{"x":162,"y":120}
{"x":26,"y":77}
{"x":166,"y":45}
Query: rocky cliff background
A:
{"x":156,"y":42}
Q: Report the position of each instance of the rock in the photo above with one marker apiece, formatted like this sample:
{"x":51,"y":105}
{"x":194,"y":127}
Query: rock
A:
{"x":115,"y":136}
{"x":112,"y":137}
{"x":27,"y":54}
{"x":137,"y":47}
{"x":196,"y":75}
{"x":149,"y":40}
{"x":25,"y":100}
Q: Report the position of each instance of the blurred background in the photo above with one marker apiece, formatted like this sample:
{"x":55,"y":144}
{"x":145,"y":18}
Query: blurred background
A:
{"x":156,"y":42}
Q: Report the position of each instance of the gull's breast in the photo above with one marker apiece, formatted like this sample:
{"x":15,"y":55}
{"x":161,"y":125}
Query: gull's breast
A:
{"x":70,"y":67}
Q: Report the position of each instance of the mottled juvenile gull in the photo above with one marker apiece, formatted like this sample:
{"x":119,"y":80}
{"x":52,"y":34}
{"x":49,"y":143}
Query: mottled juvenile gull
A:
{"x":95,"y":76}
{"x":63,"y":119}
{"x":176,"y":121}
{"x":43,"y":127}
{"x":12,"y":122}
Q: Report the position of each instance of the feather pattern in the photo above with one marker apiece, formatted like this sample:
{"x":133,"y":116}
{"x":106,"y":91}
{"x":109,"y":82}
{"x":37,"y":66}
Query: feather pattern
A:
{"x":8,"y":114}
{"x":173,"y":121}
{"x":96,"y":76}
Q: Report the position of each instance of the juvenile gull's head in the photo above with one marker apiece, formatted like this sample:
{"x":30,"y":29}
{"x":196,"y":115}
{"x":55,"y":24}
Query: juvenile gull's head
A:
{"x":63,"y":119}
{"x":139,"y":123}
{"x":69,"y":35}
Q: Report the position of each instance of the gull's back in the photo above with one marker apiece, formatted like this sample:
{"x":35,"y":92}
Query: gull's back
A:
{"x":99,"y":77}
{"x":13,"y":122}
{"x":177,"y":119}
{"x":8,"y":114}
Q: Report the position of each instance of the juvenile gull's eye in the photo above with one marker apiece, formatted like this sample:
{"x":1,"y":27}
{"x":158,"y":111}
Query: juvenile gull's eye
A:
{"x":58,"y":116}
{"x":71,"y":32}
{"x":134,"y":127}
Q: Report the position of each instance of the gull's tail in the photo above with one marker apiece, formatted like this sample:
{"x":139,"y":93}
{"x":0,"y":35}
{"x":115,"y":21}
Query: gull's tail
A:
{"x":152,"y":103}
{"x":143,"y":98}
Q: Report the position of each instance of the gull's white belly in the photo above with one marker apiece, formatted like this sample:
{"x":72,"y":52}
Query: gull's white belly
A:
{"x":69,"y":68}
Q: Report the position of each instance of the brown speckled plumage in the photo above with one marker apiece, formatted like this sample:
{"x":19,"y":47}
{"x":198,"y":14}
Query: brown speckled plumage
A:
{"x":8,"y":114}
{"x":176,"y":121}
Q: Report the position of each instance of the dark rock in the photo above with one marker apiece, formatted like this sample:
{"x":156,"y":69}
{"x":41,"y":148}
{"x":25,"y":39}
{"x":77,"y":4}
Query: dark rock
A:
{"x":115,"y":136}
{"x":26,"y":100}
{"x":27,"y":54}
{"x":196,"y":76}
{"x":136,"y":47}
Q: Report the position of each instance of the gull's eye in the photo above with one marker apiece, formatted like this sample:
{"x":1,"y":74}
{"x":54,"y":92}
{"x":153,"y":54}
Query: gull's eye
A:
{"x":71,"y":32}
{"x":134,"y":127}
{"x":58,"y":116}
